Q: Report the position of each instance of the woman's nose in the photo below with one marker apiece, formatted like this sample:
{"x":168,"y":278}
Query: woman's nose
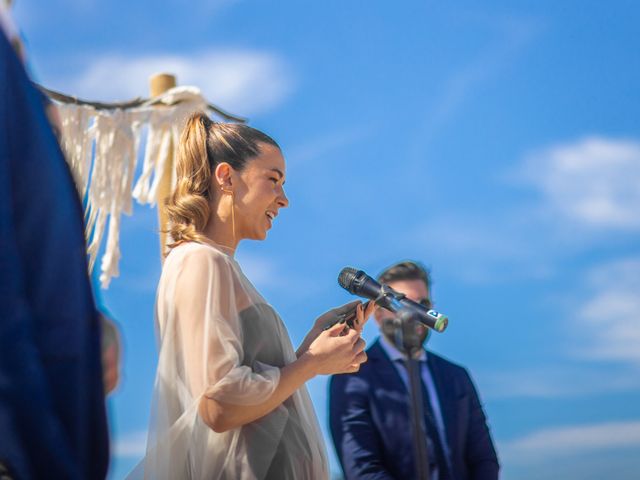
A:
{"x":283,"y":201}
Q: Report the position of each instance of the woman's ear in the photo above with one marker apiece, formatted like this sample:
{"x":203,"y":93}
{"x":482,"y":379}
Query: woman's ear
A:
{"x":223,"y":176}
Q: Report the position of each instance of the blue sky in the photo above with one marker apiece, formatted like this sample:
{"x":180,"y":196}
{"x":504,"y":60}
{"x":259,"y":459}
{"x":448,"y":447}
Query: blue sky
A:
{"x":498,"y":143}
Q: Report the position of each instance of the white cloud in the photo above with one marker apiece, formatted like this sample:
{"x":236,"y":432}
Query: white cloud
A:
{"x":557,"y":380}
{"x":588,"y":194}
{"x":244,"y":82}
{"x":610,"y":316}
{"x":602,"y":325}
{"x":594,"y":182}
{"x":130,"y":445}
{"x":571,"y":440}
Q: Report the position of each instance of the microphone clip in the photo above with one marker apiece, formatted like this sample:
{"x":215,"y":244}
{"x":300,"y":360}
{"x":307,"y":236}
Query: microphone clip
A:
{"x":387,"y":295}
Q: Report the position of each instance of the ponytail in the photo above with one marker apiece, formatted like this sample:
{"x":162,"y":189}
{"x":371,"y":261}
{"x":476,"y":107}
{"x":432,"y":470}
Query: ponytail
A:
{"x":188,"y":206}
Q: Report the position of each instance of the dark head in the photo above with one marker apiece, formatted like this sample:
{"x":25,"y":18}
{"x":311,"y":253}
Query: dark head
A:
{"x":410,"y":278}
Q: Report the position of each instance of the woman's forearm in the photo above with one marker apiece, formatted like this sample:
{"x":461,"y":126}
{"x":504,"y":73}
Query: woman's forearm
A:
{"x":221,"y":417}
{"x":333,"y":351}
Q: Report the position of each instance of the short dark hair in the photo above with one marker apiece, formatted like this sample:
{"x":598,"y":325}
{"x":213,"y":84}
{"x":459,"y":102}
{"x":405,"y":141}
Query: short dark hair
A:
{"x":407,"y":270}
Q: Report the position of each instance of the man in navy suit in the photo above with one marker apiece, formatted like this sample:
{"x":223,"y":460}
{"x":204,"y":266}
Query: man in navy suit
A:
{"x":52,"y":412}
{"x":370,"y":415}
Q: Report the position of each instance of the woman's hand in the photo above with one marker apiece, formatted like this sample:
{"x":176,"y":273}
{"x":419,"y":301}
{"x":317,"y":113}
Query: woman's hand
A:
{"x":332,"y":351}
{"x":337,"y":315}
{"x":363,"y":313}
{"x":336,"y":351}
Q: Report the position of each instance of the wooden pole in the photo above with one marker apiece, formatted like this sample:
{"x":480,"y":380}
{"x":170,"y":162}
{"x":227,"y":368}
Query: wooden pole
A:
{"x":158,"y":84}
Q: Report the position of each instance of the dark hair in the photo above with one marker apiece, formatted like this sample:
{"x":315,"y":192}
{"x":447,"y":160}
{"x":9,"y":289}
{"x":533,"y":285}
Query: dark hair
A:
{"x":407,"y":270}
{"x":203,"y":145}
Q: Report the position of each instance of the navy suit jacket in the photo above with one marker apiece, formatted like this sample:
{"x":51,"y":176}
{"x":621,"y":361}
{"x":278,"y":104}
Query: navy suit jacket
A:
{"x":52,"y":411}
{"x":371,"y":428}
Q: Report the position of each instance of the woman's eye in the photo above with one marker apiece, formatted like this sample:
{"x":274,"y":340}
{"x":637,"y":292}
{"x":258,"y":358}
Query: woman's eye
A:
{"x":273,"y":179}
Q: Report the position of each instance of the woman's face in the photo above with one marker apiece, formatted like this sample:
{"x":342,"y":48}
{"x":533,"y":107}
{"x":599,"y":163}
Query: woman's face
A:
{"x":259,"y":193}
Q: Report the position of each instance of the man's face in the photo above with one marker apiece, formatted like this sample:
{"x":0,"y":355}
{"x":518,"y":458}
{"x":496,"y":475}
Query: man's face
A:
{"x":415,"y":290}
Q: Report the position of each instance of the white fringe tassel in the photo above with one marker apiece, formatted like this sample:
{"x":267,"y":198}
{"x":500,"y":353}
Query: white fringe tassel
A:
{"x":102,"y":149}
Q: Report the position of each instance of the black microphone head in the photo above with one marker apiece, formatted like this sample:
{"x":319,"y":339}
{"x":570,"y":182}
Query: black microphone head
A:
{"x":359,"y":283}
{"x":346,"y":278}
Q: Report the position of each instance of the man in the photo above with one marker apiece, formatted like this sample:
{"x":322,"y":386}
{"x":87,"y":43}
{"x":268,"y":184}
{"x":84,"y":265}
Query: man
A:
{"x":52,"y":413}
{"x":370,"y":415}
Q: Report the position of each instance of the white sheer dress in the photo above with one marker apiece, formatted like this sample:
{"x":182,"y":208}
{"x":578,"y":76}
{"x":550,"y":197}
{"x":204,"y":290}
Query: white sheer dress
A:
{"x":219,"y":338}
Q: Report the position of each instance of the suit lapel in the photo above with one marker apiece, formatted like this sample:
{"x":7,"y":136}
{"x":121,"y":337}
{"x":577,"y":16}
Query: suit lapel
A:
{"x":385,"y":370}
{"x":446,"y":398}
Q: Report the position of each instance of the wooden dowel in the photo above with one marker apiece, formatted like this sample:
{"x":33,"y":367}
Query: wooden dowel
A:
{"x":158,"y":84}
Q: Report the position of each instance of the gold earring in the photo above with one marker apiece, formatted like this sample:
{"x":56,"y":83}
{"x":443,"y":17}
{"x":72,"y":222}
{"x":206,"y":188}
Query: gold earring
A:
{"x":233,"y":213}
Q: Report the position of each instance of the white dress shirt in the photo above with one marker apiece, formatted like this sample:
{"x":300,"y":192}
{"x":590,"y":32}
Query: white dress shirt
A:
{"x":397,"y":359}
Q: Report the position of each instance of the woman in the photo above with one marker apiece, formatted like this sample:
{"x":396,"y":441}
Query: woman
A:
{"x":229,"y":400}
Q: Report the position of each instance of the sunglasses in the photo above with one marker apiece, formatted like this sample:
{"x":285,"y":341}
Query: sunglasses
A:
{"x":425,"y":302}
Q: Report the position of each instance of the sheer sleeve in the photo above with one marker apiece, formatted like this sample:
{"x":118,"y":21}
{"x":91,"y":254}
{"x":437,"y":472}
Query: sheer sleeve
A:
{"x":219,"y":338}
{"x":207,"y":301}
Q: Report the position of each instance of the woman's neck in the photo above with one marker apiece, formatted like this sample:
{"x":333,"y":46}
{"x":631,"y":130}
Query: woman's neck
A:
{"x":219,"y":230}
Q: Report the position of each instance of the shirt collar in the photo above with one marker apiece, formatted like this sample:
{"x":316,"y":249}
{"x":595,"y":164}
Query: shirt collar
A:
{"x":394,"y":354}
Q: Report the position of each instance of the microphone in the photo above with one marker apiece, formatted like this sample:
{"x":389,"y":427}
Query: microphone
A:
{"x":359,"y":283}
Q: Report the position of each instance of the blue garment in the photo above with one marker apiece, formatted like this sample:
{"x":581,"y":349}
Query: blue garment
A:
{"x":371,"y":427}
{"x":398,"y":359}
{"x":52,"y":412}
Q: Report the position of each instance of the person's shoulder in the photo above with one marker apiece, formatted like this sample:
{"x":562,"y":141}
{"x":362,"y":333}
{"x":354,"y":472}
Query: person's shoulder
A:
{"x":349,"y":383}
{"x":198,"y":248}
{"x":446,"y":364}
{"x":198,"y":253}
{"x":376,"y":352}
{"x":457,"y":373}
{"x":196,"y":260}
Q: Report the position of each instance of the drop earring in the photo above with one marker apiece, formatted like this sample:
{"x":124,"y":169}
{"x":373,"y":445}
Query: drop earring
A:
{"x":233,"y":213}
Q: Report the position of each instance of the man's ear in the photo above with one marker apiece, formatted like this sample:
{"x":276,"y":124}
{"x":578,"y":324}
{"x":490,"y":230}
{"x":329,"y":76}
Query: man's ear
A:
{"x":223,"y":176}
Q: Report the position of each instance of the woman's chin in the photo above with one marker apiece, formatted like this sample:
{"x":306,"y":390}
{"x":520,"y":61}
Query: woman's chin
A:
{"x":260,"y":231}
{"x":259,"y":235}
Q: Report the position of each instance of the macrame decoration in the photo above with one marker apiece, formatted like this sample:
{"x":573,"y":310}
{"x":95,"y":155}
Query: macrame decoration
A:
{"x":102,"y":146}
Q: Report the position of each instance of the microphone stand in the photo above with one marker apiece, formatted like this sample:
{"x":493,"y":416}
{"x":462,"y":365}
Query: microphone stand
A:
{"x":408,"y":341}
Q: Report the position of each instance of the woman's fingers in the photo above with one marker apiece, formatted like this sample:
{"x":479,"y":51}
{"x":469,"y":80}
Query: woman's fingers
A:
{"x":336,"y":315}
{"x":359,"y":345}
{"x":346,"y":308}
{"x":335,"y":330}
{"x":359,"y":319}
{"x":357,"y":316}
{"x":359,"y":360}
{"x":361,"y":357}
{"x":370,"y":307}
{"x":363,"y":312}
